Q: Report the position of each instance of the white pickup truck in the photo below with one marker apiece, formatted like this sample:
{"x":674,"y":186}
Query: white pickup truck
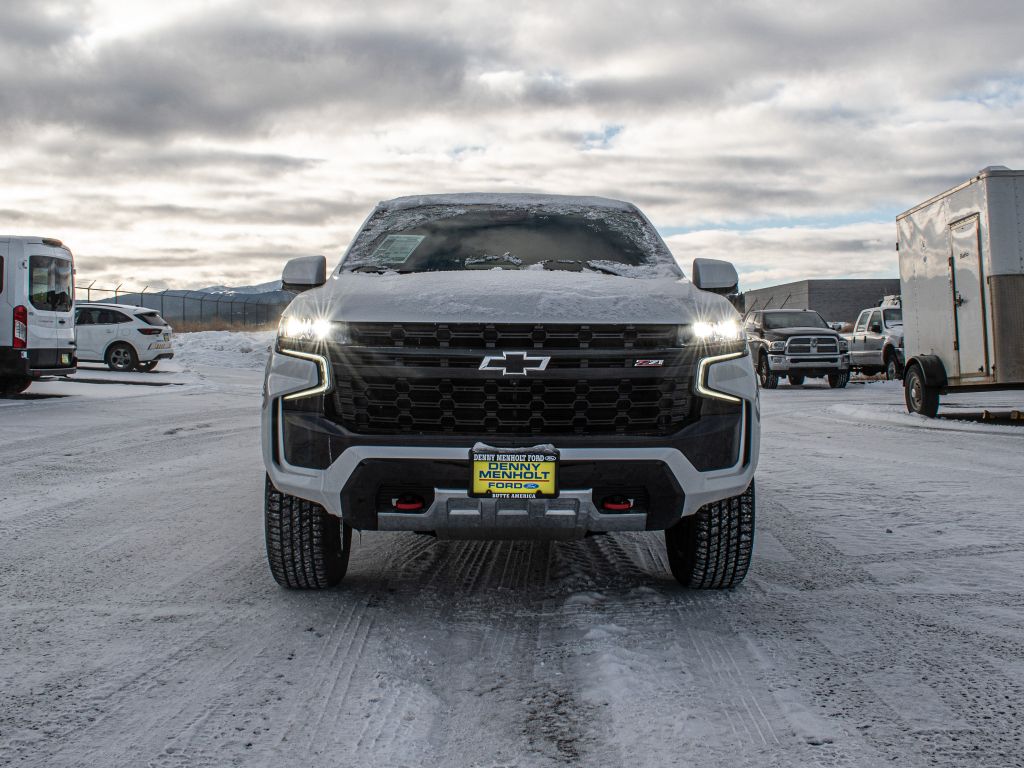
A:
{"x":876,"y":342}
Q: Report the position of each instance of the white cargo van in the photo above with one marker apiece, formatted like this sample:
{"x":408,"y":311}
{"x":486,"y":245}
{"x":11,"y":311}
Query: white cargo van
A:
{"x":962,"y":278}
{"x":37,"y":328}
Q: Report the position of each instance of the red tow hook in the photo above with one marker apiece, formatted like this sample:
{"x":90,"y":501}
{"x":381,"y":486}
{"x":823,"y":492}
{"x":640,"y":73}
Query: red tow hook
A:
{"x":408,"y":503}
{"x":617,"y":504}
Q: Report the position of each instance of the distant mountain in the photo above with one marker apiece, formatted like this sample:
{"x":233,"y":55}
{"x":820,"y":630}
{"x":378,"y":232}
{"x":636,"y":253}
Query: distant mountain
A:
{"x":274,"y":285}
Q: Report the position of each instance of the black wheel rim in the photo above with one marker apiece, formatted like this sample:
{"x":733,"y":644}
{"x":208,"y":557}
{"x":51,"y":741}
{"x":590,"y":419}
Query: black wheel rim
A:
{"x":916,"y":393}
{"x":120,"y":358}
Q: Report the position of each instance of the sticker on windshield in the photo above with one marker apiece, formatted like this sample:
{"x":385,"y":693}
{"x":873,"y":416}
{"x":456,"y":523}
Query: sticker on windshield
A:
{"x":395,"y":249}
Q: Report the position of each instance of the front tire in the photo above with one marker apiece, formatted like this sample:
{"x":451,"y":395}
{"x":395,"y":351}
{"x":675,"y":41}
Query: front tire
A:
{"x":121,"y":357}
{"x":711,"y":549}
{"x":307,"y":548}
{"x":839,"y":380}
{"x":768,"y":379}
{"x":920,"y":398}
{"x":14,"y":385}
{"x":892,"y":368}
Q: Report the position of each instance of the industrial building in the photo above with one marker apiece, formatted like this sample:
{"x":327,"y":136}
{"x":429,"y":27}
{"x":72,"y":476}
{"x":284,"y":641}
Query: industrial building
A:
{"x":838,"y":301}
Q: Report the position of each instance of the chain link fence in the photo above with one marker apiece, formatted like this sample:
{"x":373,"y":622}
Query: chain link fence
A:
{"x":196,"y":308}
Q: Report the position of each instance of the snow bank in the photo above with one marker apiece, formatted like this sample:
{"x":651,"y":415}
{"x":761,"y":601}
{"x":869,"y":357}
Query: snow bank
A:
{"x":222,"y":349}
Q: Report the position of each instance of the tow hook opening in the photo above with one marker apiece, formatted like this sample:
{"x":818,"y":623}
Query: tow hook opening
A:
{"x":408,"y":502}
{"x":616,"y":503}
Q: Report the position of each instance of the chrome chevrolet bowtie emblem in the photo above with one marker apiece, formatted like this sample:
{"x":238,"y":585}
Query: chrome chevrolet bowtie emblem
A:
{"x":514,"y":363}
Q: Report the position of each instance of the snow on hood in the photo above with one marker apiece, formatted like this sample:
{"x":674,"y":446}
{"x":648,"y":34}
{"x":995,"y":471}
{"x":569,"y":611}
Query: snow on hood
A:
{"x":508,"y":296}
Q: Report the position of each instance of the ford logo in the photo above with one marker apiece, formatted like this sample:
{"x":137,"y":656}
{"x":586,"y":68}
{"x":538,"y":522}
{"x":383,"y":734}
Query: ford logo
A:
{"x":531,"y":486}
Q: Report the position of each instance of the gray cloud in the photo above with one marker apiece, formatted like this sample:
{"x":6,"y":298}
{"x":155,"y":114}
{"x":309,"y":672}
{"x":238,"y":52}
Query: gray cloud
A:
{"x":176,"y":150}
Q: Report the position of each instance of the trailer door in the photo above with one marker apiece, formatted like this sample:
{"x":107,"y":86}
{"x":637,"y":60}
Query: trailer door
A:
{"x":969,"y":298}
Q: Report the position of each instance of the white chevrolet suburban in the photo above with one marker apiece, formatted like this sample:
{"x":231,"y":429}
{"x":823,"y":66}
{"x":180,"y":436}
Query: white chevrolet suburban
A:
{"x":509,"y":366}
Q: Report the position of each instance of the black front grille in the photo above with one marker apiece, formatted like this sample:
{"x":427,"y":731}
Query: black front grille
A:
{"x":502,"y":406}
{"x":591,"y":390}
{"x":516,"y":336}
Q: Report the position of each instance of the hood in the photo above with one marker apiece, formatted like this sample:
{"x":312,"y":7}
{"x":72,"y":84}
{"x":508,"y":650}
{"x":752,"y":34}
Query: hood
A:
{"x":509,"y":296}
{"x":785,"y":333}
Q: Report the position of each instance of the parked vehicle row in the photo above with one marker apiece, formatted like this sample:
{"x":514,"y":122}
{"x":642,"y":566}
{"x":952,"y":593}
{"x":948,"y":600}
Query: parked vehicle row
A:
{"x":44,"y":332}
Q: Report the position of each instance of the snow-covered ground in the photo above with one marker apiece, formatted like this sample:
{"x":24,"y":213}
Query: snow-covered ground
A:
{"x":881,"y":623}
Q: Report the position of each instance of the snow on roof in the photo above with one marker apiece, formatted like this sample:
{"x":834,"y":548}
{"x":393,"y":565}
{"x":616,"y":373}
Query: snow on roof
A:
{"x":109,"y":304}
{"x":500,"y":198}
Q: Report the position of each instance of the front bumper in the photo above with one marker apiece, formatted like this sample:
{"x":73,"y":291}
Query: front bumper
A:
{"x":781,"y":363}
{"x":679,"y":487}
{"x":34,"y":363}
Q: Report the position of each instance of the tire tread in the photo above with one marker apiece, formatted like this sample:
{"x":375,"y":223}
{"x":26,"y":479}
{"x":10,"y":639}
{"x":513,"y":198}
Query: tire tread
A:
{"x":307,"y":548}
{"x":712,"y":548}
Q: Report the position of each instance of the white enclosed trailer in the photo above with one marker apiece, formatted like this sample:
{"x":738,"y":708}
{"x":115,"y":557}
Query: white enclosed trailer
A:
{"x":962,"y":280}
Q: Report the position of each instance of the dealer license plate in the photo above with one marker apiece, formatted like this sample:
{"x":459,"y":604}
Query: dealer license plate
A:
{"x":514,"y":473}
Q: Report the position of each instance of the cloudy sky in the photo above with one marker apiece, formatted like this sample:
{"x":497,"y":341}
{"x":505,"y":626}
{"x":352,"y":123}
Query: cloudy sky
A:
{"x":185,"y":143}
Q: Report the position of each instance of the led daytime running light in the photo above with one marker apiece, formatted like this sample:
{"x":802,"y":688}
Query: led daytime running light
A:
{"x":702,"y":374}
{"x":323,"y":385}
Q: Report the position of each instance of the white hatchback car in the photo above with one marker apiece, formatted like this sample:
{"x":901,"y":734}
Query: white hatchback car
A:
{"x":122,"y":336}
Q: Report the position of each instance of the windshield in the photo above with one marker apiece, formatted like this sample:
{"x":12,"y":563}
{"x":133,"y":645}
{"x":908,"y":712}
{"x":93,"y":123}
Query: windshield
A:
{"x":893,"y":316}
{"x":805,"y":318}
{"x":49,"y":283}
{"x":449,"y":238}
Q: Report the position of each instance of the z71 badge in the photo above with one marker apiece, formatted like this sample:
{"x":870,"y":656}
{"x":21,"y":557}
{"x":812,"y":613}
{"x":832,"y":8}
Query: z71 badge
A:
{"x":648,"y":363}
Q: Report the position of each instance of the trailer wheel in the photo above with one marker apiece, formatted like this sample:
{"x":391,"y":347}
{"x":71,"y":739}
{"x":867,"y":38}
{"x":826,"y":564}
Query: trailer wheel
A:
{"x":711,"y":549}
{"x":769,"y":380}
{"x":796,"y":380}
{"x":839,"y":380}
{"x":14,"y":385}
{"x":919,"y":396}
{"x":307,"y":548}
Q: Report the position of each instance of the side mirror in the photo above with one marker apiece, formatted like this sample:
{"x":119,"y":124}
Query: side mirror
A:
{"x":875,"y":328}
{"x":715,"y":275}
{"x":304,"y":273}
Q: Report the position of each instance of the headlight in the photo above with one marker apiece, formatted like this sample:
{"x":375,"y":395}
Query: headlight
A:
{"x":718,"y":332}
{"x":777,"y":346}
{"x":844,"y":345}
{"x":307,"y":329}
